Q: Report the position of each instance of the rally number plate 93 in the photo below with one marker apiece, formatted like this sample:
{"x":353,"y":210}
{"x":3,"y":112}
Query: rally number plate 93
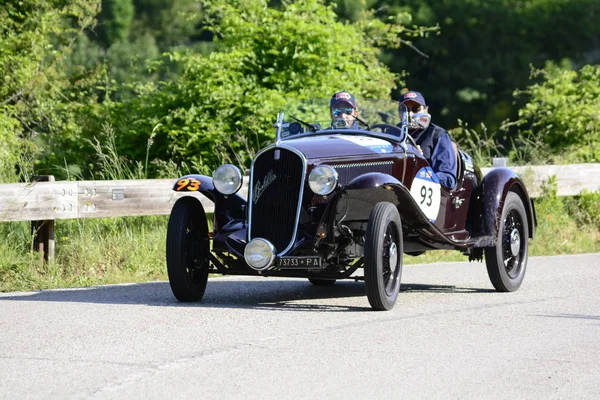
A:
{"x":299,"y":262}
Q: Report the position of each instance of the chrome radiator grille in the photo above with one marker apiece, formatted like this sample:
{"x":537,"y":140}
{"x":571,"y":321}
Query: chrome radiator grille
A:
{"x":276,"y":186}
{"x":347,"y":172}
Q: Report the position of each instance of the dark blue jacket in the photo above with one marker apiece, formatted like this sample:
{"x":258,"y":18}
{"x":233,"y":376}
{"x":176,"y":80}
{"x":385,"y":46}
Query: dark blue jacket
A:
{"x":439,"y":152}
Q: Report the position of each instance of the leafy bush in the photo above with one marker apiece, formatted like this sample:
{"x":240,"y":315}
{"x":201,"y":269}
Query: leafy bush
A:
{"x":224,"y":104}
{"x":484,"y":50}
{"x":41,"y":100}
{"x":480,"y":145}
{"x":585,"y":208}
{"x":562,"y":116}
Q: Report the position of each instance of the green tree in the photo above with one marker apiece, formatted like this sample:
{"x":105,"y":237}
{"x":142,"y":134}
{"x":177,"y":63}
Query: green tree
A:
{"x":171,"y":23}
{"x":38,"y":100}
{"x":351,"y":10}
{"x":115,"y":21}
{"x":561,"y":119}
{"x":484,"y":50}
{"x":224,"y":104}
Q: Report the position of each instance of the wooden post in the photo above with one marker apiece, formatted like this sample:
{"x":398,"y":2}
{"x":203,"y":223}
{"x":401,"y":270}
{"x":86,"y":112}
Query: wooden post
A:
{"x":43,"y":231}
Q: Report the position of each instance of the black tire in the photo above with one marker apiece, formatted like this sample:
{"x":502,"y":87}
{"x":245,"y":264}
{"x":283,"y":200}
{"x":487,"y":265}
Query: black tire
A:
{"x":321,"y":282}
{"x":383,"y":256}
{"x":507,"y":261}
{"x":187,"y":250}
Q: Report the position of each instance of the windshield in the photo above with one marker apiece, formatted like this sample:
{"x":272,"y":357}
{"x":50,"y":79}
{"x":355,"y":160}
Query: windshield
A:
{"x":315,"y":117}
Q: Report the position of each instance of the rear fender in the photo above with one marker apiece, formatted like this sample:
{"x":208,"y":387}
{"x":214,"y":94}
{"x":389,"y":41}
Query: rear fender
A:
{"x":494,"y":188}
{"x":227,"y":208}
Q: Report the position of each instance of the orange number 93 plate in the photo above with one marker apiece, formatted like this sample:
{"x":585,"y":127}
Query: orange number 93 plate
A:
{"x":189,"y":184}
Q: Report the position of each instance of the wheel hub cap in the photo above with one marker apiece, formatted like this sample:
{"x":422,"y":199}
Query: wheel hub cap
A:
{"x":393,"y":256}
{"x":515,"y":242}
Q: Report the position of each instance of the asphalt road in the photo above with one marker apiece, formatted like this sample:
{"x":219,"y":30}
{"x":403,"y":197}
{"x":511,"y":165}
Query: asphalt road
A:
{"x":449,"y":336}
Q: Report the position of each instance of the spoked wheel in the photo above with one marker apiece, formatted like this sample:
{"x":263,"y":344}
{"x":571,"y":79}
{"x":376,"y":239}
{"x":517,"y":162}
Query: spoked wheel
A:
{"x":321,"y":282}
{"x":383,"y":256}
{"x":506,"y":262}
{"x":187,"y":250}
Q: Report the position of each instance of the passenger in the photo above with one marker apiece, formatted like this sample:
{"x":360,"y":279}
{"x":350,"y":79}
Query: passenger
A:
{"x":432,"y":140}
{"x":344,"y":112}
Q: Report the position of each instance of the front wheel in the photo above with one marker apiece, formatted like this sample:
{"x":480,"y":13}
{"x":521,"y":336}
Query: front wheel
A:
{"x":187,"y":250}
{"x":507,"y":260}
{"x":383,"y":256}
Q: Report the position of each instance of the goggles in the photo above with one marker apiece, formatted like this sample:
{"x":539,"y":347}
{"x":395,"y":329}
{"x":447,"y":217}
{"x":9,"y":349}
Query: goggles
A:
{"x":414,"y":109}
{"x":339,"y":111}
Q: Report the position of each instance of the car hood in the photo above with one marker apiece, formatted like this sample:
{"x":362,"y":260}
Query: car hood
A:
{"x":333,"y":146}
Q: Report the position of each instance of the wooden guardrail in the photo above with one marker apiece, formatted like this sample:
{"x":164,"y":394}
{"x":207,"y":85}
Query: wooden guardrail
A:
{"x":95,"y":199}
{"x":89,"y":199}
{"x":48,"y":201}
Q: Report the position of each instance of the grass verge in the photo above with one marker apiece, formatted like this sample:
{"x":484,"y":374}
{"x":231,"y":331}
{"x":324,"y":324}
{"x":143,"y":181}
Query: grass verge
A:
{"x":132,"y":249}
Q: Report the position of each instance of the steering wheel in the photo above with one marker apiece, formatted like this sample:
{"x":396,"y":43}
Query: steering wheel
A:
{"x":411,"y":140}
{"x":388,"y":128}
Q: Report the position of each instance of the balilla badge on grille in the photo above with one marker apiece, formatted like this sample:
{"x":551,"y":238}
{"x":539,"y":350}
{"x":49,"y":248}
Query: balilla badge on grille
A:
{"x":259,"y":189}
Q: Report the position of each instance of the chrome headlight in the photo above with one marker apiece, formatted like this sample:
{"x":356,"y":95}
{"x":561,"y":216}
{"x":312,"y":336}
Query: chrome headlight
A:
{"x":227,"y":179}
{"x":323,"y":179}
{"x":259,"y":254}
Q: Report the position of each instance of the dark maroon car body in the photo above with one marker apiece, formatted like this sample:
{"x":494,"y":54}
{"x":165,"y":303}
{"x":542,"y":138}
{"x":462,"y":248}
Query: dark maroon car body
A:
{"x":282,"y":209}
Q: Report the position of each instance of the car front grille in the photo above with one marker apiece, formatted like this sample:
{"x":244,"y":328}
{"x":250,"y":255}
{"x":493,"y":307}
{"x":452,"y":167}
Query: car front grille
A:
{"x":276,"y":186}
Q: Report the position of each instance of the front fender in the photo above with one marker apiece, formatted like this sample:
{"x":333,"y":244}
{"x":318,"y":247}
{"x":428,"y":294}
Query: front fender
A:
{"x":495,"y":186}
{"x":204,"y":185}
{"x":227,"y":208}
{"x":371,"y":180}
{"x":356,"y":200}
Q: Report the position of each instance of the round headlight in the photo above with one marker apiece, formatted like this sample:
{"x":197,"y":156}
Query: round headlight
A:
{"x":227,"y":179}
{"x":322,"y":179}
{"x":259,"y":254}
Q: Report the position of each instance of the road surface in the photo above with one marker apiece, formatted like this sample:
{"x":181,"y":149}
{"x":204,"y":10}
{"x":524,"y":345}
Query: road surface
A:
{"x":449,"y":336}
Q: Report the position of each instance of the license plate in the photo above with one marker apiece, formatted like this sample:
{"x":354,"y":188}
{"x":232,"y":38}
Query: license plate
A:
{"x":299,"y":262}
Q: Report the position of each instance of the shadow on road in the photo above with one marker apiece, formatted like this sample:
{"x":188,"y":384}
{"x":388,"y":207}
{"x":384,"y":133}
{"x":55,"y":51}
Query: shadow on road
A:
{"x":572,"y":316}
{"x":411,"y":287}
{"x":269,"y":294}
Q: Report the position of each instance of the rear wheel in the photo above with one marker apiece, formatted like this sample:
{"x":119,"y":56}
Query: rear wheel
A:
{"x":187,"y":250}
{"x":383,"y":256}
{"x":507,"y":260}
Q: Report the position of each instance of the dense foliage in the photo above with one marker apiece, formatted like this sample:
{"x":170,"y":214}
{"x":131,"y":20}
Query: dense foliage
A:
{"x":122,"y":89}
{"x":264,"y":57}
{"x":485,"y":48}
{"x":37,"y":94}
{"x":200,"y":81}
{"x":562,"y":115}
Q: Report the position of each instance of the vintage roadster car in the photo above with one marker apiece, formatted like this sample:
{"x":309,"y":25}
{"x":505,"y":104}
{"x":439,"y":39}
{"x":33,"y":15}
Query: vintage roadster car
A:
{"x":324,"y":201}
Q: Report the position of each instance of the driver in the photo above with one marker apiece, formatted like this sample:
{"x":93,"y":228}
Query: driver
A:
{"x":432,"y":140}
{"x":343,"y":110}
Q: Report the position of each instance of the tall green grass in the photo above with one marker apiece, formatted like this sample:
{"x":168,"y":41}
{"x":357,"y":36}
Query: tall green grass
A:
{"x":566,"y":225}
{"x":132,"y":249}
{"x":88,"y":252}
